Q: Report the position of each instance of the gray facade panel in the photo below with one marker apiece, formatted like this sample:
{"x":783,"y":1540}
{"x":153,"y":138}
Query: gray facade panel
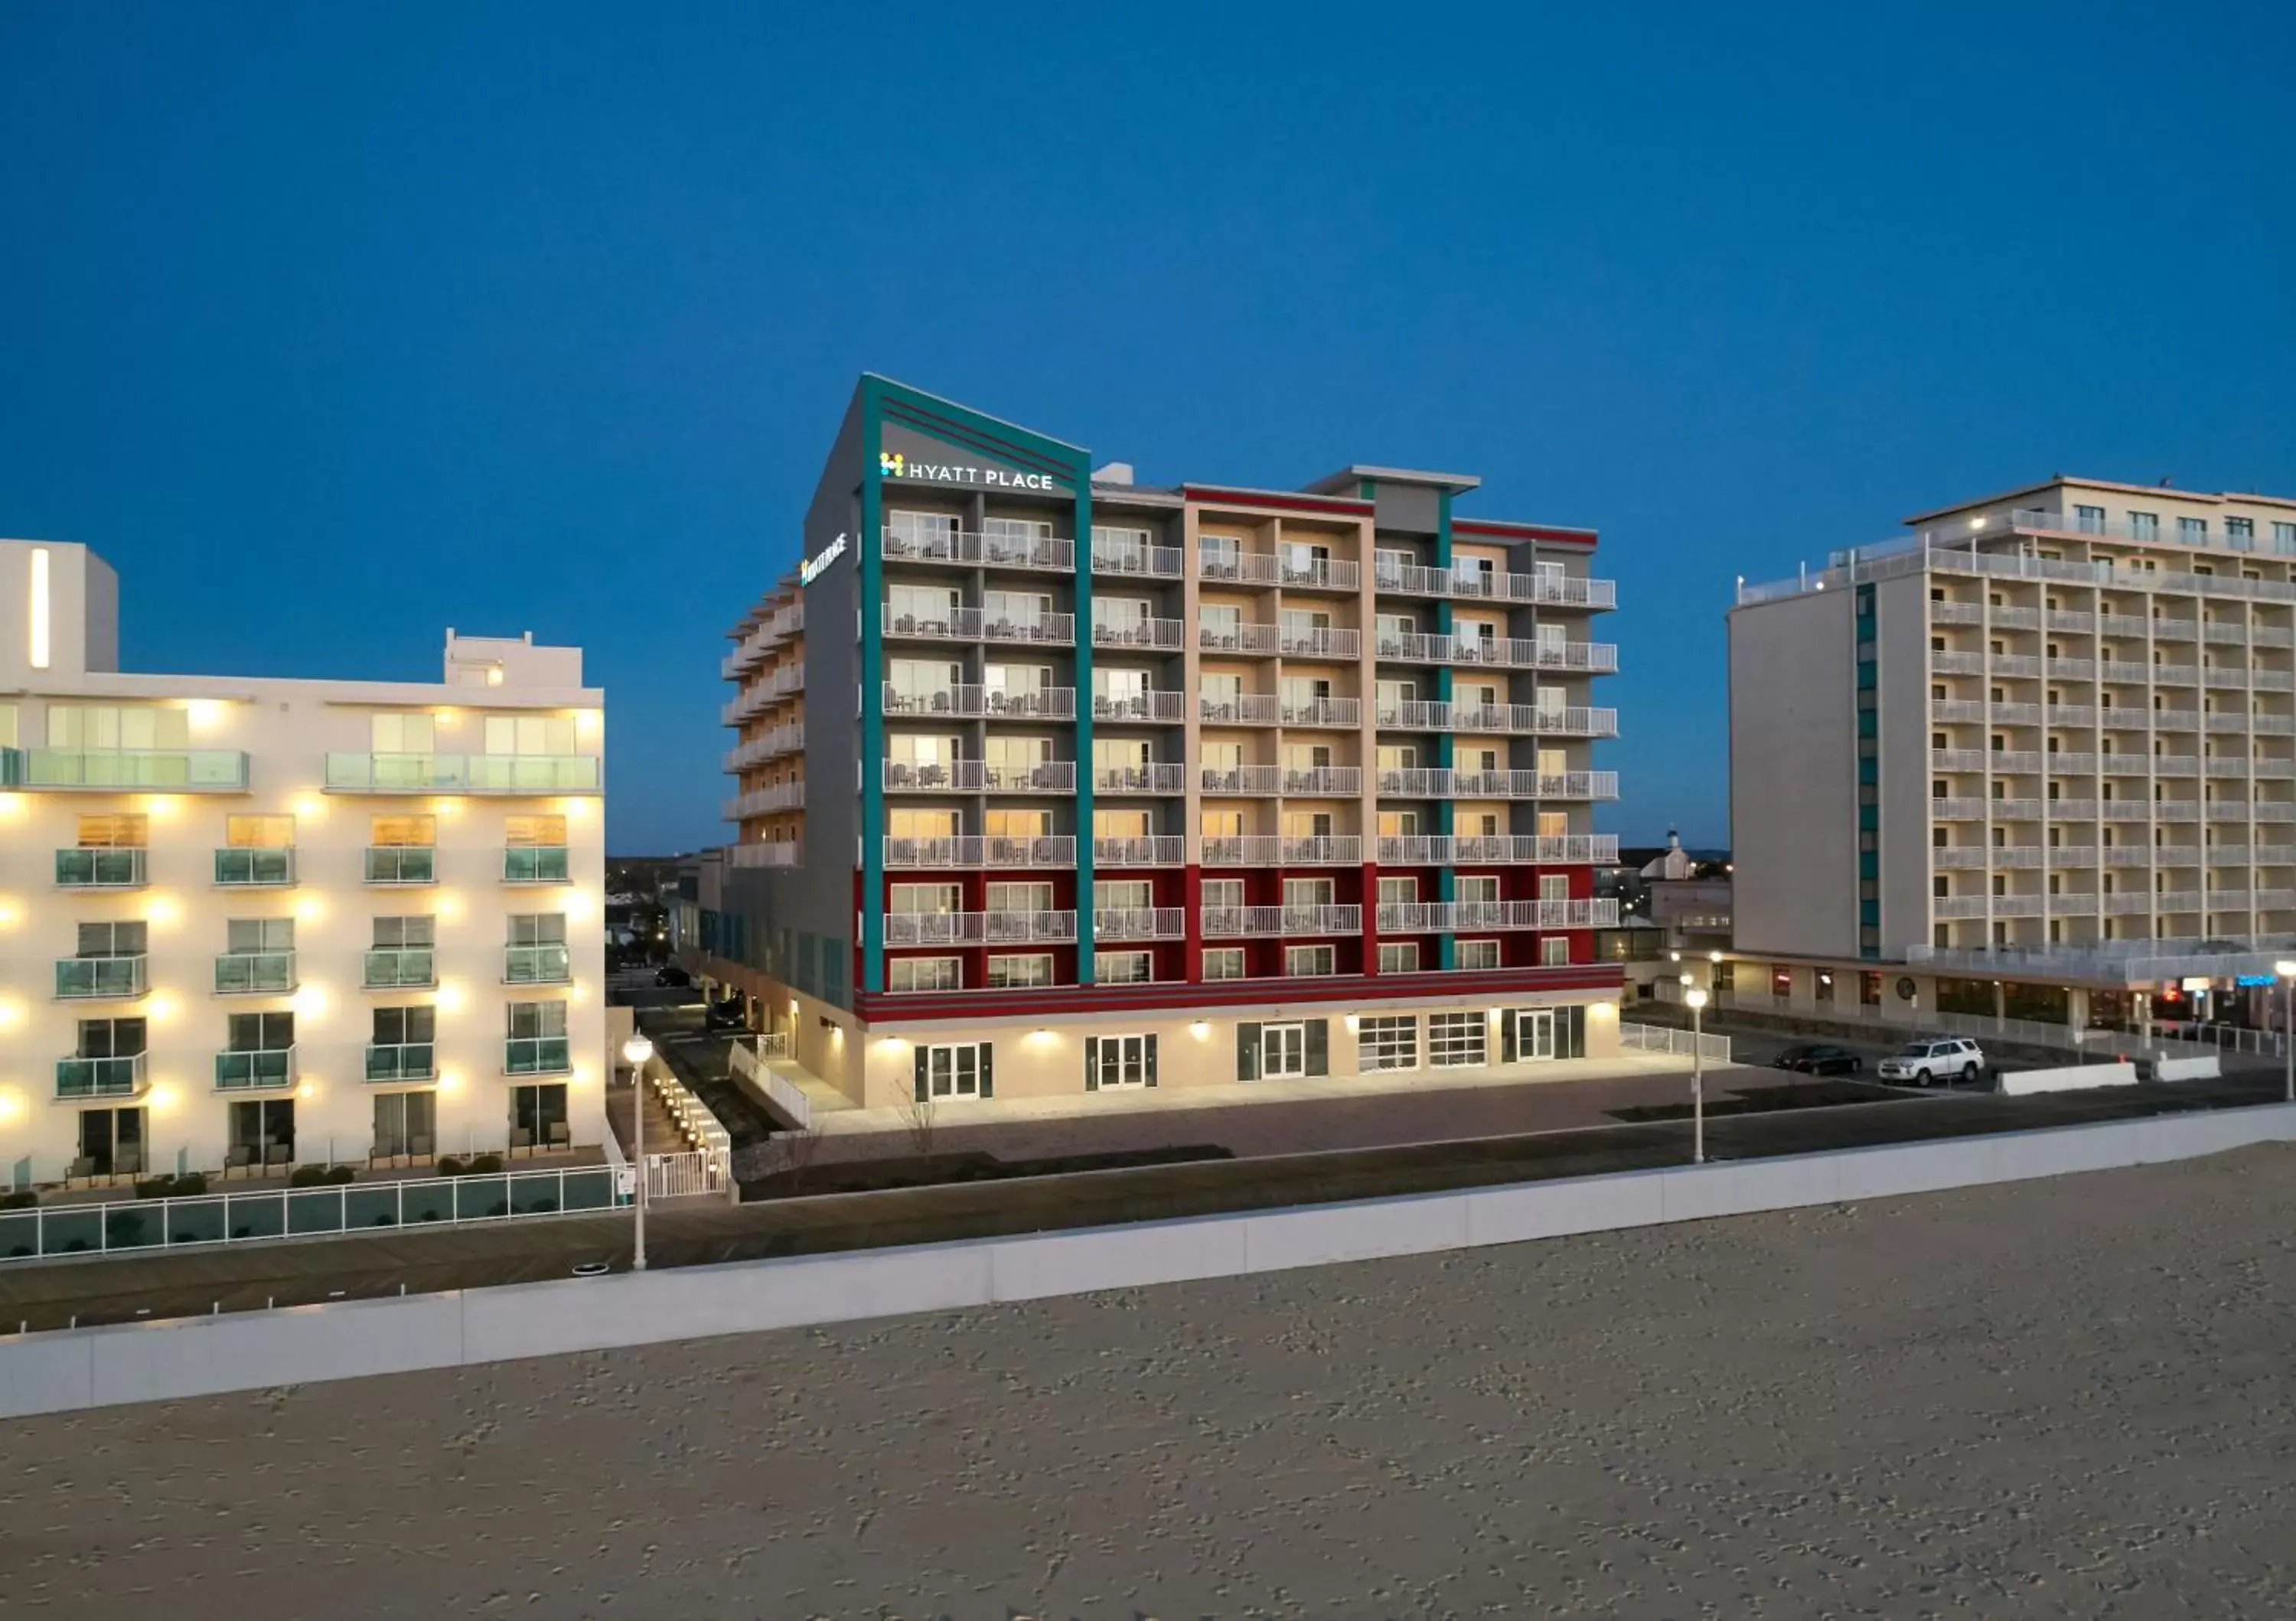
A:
{"x":1902,"y":616}
{"x":1793,"y":772}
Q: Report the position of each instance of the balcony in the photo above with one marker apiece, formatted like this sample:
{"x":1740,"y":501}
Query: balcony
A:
{"x":101,"y":979}
{"x":980,"y":777}
{"x":1961,"y":808}
{"x":536,"y":1055}
{"x":414,"y":1061}
{"x":402,"y":864}
{"x":1226,"y":922}
{"x":272,"y":1070}
{"x":1944,"y":662}
{"x":974,"y":850}
{"x":535,"y":864}
{"x":764,"y":801}
{"x":1140,"y":850}
{"x":1239,"y":638}
{"x":114,"y":770}
{"x":81,"y":1078}
{"x":1323,"y":781}
{"x":548,"y":963}
{"x":1474,"y":584}
{"x":1156,"y":777}
{"x":1155,"y":635}
{"x":2072,"y":856}
{"x":1444,"y":917}
{"x":1300,"y":572}
{"x":1243,"y":709}
{"x":1547,"y":850}
{"x":1520,"y":653}
{"x":769,"y":853}
{"x":254,"y":869}
{"x":1319,"y":642}
{"x":400,"y":967}
{"x":104,"y":869}
{"x":979,"y":927}
{"x":463,"y":774}
{"x":973,"y":624}
{"x":1411,"y":646}
{"x":254,"y":973}
{"x":1948,"y":858}
{"x":1324,"y":712}
{"x":1129,"y":560}
{"x":1235,"y":567}
{"x":1048,"y":553}
{"x":1239,"y":779}
{"x":1957,"y":759}
{"x":1139,"y":923}
{"x":1296,"y":850}
{"x":1149,"y":705}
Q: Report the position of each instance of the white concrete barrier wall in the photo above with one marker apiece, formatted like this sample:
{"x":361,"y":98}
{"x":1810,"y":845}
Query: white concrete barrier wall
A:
{"x":2076,"y":1078}
{"x":52,"y":1372}
{"x":2205,"y":1068}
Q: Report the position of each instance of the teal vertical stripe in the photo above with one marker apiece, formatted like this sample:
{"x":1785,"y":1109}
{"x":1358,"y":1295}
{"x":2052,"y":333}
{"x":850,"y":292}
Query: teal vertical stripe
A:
{"x":1084,"y":901}
{"x":870,"y":588}
{"x":1447,"y":881}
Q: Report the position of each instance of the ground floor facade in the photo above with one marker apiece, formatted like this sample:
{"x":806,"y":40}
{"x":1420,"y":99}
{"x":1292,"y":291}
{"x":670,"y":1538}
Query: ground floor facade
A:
{"x":981,"y":1046}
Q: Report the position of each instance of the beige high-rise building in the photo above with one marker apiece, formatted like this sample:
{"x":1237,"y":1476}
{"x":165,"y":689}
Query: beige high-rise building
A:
{"x":249,"y":923}
{"x":2048,"y":739}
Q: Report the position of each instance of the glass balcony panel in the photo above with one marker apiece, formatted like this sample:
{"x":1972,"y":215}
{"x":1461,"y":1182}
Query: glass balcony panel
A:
{"x":99,"y":1078}
{"x":402,"y":1061}
{"x":536,"y":1055}
{"x":411,"y":864}
{"x":253,"y":1071}
{"x":100,"y":977}
{"x":253,"y":972}
{"x":113,"y":869}
{"x":160,"y":768}
{"x":534,"y":865}
{"x":254,"y":867}
{"x":400,"y":967}
{"x":535,"y":965}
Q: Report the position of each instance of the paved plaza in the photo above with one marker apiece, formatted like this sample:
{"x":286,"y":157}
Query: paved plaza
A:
{"x":2070,"y":1398}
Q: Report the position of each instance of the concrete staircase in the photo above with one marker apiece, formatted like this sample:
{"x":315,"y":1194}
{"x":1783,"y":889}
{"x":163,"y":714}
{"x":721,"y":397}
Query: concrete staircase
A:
{"x":662,"y":1135}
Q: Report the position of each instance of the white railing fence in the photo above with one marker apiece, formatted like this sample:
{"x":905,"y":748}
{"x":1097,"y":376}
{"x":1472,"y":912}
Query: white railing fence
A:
{"x":706,"y":1163}
{"x":752,"y":1071}
{"x":1662,"y":1038}
{"x":131,"y":1226}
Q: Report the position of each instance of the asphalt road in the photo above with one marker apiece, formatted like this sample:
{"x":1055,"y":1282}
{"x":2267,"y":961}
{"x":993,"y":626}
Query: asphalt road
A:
{"x":53,"y":1294}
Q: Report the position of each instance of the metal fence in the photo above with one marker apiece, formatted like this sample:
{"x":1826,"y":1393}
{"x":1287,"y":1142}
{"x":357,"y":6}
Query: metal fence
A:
{"x":126,"y":1226}
{"x":705,"y":1166}
{"x":1660,"y":1038}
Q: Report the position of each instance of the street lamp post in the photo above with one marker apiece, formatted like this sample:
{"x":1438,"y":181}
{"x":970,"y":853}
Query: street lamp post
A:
{"x":639,"y":1051}
{"x":1696,"y":999}
{"x":2287,"y":972}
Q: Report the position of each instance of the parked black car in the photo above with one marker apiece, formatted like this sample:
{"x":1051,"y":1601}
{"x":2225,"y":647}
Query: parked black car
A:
{"x":1815,"y":1058}
{"x":726,"y":1015}
{"x":669,"y":973}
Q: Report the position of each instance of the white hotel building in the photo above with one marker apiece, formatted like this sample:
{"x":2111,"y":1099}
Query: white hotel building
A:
{"x":249,"y":923}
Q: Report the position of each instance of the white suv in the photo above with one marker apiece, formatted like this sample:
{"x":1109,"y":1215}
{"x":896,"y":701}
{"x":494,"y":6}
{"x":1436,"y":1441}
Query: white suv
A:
{"x":1945,"y":1058}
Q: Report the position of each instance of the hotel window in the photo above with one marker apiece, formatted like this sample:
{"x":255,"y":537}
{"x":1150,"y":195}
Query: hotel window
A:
{"x":1221,"y":824}
{"x":530,"y":735}
{"x":1013,"y":762}
{"x":273,"y":832}
{"x":1306,"y":824}
{"x":1397,"y":891}
{"x":1222,"y":625}
{"x":2240,"y":534}
{"x":1223,"y":695}
{"x":1304,"y":892}
{"x":958,"y":1069}
{"x":1120,"y":825}
{"x":1223,"y":962}
{"x":1554,"y":951}
{"x":1387,"y":1043}
{"x":1016,"y":687}
{"x":1219,"y":555}
{"x":1018,"y":824}
{"x":922,"y":683}
{"x":1388,"y":566}
{"x":1021,"y":898}
{"x":83,"y":728}
{"x":1478,"y":953}
{"x":2193,"y":531}
{"x":2145,"y":526}
{"x":402,"y":734}
{"x":1125,"y":615}
{"x":925,"y":900}
{"x":1398,"y":757}
{"x":1481,"y":889}
{"x":1017,"y":972}
{"x":2283,"y":540}
{"x":934,"y":534}
{"x":922,"y":607}
{"x":1306,"y":961}
{"x":2089,"y":519}
{"x":1126,"y":551}
{"x":1483,"y":825}
{"x":922,"y":824}
{"x":403,"y":832}
{"x":1024,"y":611}
{"x":923,"y":974}
{"x":1122,"y":894}
{"x":113,"y":832}
{"x":1116,"y":1062}
{"x":1398,"y":824}
{"x":1399,"y":957}
{"x":1457,"y":1041}
{"x":1124,"y":967}
{"x":1388,"y":697}
{"x":1554,"y":825}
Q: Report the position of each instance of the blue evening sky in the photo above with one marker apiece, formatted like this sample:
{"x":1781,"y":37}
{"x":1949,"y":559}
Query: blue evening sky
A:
{"x":334,"y":325}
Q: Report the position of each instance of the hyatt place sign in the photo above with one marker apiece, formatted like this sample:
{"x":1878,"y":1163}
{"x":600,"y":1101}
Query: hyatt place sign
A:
{"x":893,"y":464}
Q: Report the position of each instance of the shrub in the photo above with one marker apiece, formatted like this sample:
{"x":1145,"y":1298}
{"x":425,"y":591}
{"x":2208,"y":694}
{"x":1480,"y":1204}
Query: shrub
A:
{"x":448,"y":1166}
{"x":194,"y":1183}
{"x":386,"y":1220}
{"x":309,"y":1176}
{"x":23,"y":1199}
{"x":486,"y":1165}
{"x":155,"y":1187}
{"x":341,"y":1173}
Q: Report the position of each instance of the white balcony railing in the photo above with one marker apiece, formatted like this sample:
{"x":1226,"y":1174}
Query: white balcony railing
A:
{"x":979,"y":625}
{"x":1135,"y":561}
{"x":1226,"y":922}
{"x":1138,"y":923}
{"x":1443,"y":917}
{"x":1492,"y":849}
{"x":1137,"y":850}
{"x":1270,"y":849}
{"x":1156,"y":777}
{"x":1149,"y":705}
{"x":1324,"y":782}
{"x":1310,"y":573}
{"x":1049,"y":553}
{"x":1240,"y":778}
{"x":1319,"y":642}
{"x":976,"y":850}
{"x":1324,"y":712}
{"x":1153,"y":634}
{"x":1243,"y":709}
{"x":978,"y":928}
{"x":1235,"y":567}
{"x":1244,"y":637}
{"x":1472,"y":583}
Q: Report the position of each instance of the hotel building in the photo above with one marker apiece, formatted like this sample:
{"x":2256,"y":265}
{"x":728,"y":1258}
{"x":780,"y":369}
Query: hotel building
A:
{"x":2038,"y":758}
{"x":247,"y":923}
{"x":1044,"y":776}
